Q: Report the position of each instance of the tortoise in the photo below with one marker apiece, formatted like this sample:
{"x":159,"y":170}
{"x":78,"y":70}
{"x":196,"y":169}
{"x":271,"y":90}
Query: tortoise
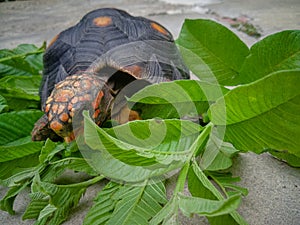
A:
{"x":86,"y":67}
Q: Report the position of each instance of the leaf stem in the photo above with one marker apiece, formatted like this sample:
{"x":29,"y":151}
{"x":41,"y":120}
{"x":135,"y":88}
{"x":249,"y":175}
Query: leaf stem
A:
{"x":182,"y":178}
{"x":21,"y":55}
{"x":84,"y":183}
{"x":196,"y":147}
{"x":219,"y":184}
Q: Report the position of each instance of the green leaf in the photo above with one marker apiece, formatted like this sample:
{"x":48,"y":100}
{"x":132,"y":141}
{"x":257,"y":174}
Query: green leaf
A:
{"x":196,"y":187}
{"x":3,"y":104}
{"x":62,"y":199}
{"x":49,"y":149}
{"x":163,"y":151}
{"x":168,"y":214}
{"x":280,"y":51}
{"x":17,"y":125}
{"x":104,"y":205}
{"x":176,"y":99}
{"x":217,"y":154}
{"x":291,"y":159}
{"x":205,"y":207}
{"x":21,"y":91}
{"x":225,"y":182}
{"x":19,"y":177}
{"x":137,"y":204}
{"x":38,"y":202}
{"x":209,"y":186}
{"x":26,"y":60}
{"x":7,"y":201}
{"x":9,"y":168}
{"x":263,"y":115}
{"x":11,"y":152}
{"x":211,"y":51}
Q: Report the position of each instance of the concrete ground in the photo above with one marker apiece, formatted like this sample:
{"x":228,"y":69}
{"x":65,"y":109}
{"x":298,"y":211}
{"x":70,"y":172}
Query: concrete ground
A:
{"x":274,"y":187}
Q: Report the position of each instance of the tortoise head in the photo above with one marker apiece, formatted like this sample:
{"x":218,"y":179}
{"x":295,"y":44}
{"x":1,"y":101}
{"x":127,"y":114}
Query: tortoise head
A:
{"x":67,"y":101}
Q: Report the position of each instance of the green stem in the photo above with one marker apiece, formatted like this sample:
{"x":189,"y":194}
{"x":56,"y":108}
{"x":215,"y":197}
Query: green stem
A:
{"x":182,"y":178}
{"x":67,"y":159}
{"x":219,"y":184}
{"x":196,"y":147}
{"x":84,"y":183}
{"x":21,"y":55}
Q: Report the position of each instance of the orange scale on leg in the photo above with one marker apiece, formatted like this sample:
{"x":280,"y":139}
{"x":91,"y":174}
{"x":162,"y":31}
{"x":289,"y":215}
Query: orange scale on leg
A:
{"x":96,"y":113}
{"x":96,"y":102}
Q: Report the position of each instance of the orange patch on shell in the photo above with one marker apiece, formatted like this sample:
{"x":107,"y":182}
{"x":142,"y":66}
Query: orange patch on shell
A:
{"x":102,"y":21}
{"x":134,"y":70}
{"x":159,"y":28}
{"x":56,"y":126}
{"x":53,"y":40}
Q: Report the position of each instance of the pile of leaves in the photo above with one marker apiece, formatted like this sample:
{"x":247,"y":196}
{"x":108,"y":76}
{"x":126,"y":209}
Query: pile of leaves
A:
{"x":260,"y":114}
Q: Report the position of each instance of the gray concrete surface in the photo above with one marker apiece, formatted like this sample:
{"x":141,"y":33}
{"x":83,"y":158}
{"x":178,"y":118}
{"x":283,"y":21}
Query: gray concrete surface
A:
{"x":274,"y":187}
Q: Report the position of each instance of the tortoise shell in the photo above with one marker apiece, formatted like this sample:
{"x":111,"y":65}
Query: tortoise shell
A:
{"x":108,"y":42}
{"x":87,"y":65}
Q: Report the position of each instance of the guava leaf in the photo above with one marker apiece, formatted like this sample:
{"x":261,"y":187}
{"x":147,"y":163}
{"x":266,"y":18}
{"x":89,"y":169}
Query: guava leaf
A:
{"x":217,"y":154}
{"x":26,"y":59}
{"x":128,"y":161}
{"x":61,"y":200}
{"x":263,"y":115}
{"x":280,"y":51}
{"x":211,"y":51}
{"x":176,"y":99}
{"x":3,"y":104}
{"x":21,"y":92}
{"x":104,"y":205}
{"x":206,"y":207}
{"x":213,"y":193}
{"x":291,"y":159}
{"x":15,"y":151}
{"x":17,"y":125}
